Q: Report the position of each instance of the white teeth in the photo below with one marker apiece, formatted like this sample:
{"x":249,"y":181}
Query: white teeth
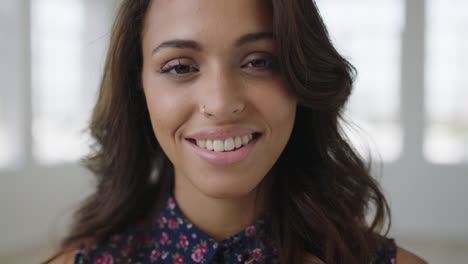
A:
{"x":201,"y":143}
{"x":218,"y":145}
{"x":209,"y":145}
{"x":228,"y":144}
{"x":238,"y":142}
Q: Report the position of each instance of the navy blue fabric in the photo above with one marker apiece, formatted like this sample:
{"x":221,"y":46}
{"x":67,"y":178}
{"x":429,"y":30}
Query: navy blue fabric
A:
{"x":176,"y":241}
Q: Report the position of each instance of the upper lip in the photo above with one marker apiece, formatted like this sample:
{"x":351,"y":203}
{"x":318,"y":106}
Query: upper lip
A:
{"x":221,"y":133}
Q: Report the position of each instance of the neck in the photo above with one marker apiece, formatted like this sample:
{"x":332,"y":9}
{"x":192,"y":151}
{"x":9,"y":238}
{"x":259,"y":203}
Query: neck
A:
{"x":221,"y":218}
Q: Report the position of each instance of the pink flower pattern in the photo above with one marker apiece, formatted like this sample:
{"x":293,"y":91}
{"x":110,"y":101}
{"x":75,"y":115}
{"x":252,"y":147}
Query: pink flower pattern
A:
{"x":257,"y":254}
{"x":203,"y":248}
{"x":197,"y":255}
{"x":175,"y":240}
{"x":250,"y":230}
{"x":126,"y":251}
{"x":183,"y":241}
{"x":171,"y":203}
{"x":155,"y":254}
{"x":106,"y":259}
{"x":164,"y":238}
{"x":173,"y":224}
{"x":162,"y":222}
{"x":179,"y":260}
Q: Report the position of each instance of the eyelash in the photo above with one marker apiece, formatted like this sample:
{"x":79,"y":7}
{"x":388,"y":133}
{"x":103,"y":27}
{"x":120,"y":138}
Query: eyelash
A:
{"x":270,"y":63}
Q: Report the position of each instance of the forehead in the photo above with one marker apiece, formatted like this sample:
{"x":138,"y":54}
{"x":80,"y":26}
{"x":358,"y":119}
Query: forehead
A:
{"x":206,"y":20}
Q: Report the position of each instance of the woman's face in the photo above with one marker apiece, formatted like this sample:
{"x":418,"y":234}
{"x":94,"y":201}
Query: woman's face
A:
{"x":209,"y":74}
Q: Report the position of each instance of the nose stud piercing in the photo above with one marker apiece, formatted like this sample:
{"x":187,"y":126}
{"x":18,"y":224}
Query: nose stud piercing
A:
{"x":204,"y":112}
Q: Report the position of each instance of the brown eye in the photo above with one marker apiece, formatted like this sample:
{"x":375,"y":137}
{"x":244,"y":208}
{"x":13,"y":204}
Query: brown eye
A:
{"x":178,"y":68}
{"x":259,"y":63}
{"x":262,"y":63}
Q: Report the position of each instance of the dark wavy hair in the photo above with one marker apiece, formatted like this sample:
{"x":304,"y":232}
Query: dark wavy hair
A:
{"x":323,"y":189}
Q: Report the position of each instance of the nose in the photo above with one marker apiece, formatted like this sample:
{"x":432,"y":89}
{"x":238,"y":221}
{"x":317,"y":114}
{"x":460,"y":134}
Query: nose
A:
{"x":222,"y":95}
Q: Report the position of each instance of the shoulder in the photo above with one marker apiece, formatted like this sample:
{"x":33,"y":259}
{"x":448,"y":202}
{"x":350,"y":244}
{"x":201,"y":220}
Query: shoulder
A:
{"x":63,"y":257}
{"x":311,"y":259}
{"x":403,"y":256}
{"x":389,"y":252}
{"x":71,"y":253}
{"x":406,"y":257}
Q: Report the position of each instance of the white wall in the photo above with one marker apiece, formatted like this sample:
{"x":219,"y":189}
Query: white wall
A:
{"x":36,"y":204}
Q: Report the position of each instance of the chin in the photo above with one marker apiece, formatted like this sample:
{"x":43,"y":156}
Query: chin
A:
{"x":227,"y":190}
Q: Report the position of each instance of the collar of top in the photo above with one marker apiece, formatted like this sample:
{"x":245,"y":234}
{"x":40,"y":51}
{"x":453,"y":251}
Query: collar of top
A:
{"x":177,"y":240}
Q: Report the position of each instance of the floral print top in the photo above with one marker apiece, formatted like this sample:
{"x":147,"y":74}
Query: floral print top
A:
{"x":177,"y":241}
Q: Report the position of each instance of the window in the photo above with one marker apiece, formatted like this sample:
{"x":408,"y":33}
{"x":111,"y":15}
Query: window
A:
{"x":68,"y":49}
{"x":57,"y":87}
{"x":446,"y":139}
{"x":368,"y":34}
{"x":48,"y":93}
{"x":12,"y":76}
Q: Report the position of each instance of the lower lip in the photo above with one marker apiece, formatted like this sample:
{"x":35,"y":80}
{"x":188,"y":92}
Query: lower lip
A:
{"x":224,"y":158}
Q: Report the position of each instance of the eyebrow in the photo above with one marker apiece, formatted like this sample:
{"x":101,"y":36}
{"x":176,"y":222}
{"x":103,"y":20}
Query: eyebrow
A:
{"x":191,"y":44}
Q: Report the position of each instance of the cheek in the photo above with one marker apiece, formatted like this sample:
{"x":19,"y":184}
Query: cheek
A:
{"x":277,"y":105}
{"x":166,"y":113}
{"x":279,"y":111}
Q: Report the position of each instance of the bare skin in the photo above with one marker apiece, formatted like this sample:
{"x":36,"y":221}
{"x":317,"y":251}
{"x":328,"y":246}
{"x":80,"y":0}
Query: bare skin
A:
{"x":220,"y":199}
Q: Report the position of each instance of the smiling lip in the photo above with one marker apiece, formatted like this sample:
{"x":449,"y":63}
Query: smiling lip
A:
{"x":224,"y":158}
{"x":221,"y":134}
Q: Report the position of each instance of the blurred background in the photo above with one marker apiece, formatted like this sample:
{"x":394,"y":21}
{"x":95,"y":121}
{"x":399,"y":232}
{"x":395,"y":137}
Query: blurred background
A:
{"x":409,"y":111}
